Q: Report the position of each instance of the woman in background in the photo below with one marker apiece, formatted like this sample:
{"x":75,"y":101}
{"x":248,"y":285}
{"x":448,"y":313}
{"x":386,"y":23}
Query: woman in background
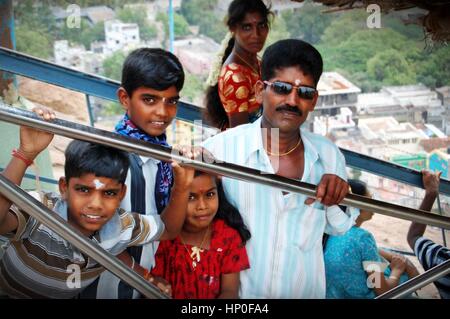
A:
{"x":230,"y":98}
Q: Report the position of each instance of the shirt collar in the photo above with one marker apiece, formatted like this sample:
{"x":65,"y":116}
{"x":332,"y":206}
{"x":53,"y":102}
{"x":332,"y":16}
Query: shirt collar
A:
{"x":145,"y":159}
{"x":254,"y":142}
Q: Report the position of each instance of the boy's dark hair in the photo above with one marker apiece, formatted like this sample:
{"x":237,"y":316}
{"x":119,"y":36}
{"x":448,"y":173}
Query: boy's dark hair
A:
{"x":215,"y":113}
{"x":89,"y":158}
{"x":153,"y":68}
{"x":291,"y":52}
{"x":228,"y":213}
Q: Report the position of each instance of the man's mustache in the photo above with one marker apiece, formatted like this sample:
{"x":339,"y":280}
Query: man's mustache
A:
{"x":289,"y":108}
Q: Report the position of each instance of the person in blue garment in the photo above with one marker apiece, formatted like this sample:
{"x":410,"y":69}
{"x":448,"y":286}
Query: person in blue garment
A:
{"x":355,"y":268}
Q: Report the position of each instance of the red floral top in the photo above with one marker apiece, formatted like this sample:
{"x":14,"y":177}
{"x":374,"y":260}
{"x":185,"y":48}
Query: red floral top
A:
{"x":226,"y":254}
{"x":237,"y":89}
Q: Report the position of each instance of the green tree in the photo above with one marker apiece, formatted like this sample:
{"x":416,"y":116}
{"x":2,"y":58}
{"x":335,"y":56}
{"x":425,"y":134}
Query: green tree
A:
{"x":211,"y":26}
{"x":390,"y":68}
{"x":193,"y":88}
{"x":33,"y":42}
{"x":278,"y":31}
{"x":202,"y":13}
{"x":112,"y":66}
{"x":194,"y":10}
{"x":435,"y":70}
{"x":181,"y":27}
{"x":343,"y":26}
{"x":308,"y":23}
{"x":84,"y":35}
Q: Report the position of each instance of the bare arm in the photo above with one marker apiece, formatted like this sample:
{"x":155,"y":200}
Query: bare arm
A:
{"x":32,"y":142}
{"x":229,"y":286}
{"x":175,"y":212}
{"x":159,"y":282}
{"x":383,"y":284}
{"x":410,"y":269}
{"x":431,"y":184}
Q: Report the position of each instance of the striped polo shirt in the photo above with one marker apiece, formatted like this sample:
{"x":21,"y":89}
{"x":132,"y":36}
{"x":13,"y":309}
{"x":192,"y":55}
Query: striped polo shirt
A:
{"x":39,"y":263}
{"x":285,"y":250}
{"x":430,"y":255}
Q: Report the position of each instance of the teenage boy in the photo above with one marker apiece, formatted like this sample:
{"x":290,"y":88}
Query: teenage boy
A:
{"x":152,"y":79}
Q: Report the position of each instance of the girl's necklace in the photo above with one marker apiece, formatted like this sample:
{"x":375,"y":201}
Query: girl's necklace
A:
{"x":195,"y":254}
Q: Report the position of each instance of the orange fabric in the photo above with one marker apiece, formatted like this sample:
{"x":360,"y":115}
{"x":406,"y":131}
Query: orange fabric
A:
{"x":237,"y":88}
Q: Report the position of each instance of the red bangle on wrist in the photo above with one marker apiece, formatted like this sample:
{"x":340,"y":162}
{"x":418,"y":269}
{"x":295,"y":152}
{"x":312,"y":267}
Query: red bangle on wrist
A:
{"x":18,"y":154}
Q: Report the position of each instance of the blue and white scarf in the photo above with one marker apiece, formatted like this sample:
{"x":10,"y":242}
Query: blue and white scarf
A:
{"x":164,"y":175}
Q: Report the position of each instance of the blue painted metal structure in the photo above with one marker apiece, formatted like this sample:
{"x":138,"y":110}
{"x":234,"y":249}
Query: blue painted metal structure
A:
{"x":90,"y":84}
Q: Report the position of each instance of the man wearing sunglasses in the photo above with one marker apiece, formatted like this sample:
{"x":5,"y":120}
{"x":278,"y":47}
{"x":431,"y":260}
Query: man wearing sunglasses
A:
{"x":285,"y":250}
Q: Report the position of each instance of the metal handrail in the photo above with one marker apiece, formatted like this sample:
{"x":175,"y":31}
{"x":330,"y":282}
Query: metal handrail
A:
{"x":417,"y":282}
{"x":91,"y":84}
{"x":49,"y":218}
{"x":87,"y":83}
{"x":86,"y":133}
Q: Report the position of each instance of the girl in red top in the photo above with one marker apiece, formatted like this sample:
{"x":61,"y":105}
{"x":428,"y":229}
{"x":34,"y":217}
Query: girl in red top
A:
{"x":204,"y":261}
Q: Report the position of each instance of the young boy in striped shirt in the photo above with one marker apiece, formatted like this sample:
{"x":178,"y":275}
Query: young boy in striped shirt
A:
{"x":38,"y":262}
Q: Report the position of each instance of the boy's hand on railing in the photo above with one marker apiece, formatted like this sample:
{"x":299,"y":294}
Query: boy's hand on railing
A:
{"x":33,"y":141}
{"x":431,"y":182}
{"x":331,"y":190}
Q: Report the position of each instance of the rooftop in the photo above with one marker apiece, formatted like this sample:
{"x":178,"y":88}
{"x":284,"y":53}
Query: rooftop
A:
{"x":334,"y":83}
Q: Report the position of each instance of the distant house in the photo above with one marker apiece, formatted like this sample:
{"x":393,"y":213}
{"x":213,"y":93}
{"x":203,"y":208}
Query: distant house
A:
{"x":323,"y":125}
{"x":119,"y":35}
{"x":444,"y":95}
{"x":406,"y":103}
{"x":335,"y":92}
{"x":76,"y":57}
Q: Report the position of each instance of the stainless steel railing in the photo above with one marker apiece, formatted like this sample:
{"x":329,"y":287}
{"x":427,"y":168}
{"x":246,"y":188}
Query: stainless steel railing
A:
{"x":49,"y":218}
{"x":417,"y":282}
{"x":77,"y":131}
{"x":87,"y":133}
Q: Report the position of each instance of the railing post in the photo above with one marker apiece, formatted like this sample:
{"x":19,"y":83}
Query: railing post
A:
{"x":90,"y":111}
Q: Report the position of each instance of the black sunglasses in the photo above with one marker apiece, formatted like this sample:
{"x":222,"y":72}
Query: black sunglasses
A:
{"x":283,"y":88}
